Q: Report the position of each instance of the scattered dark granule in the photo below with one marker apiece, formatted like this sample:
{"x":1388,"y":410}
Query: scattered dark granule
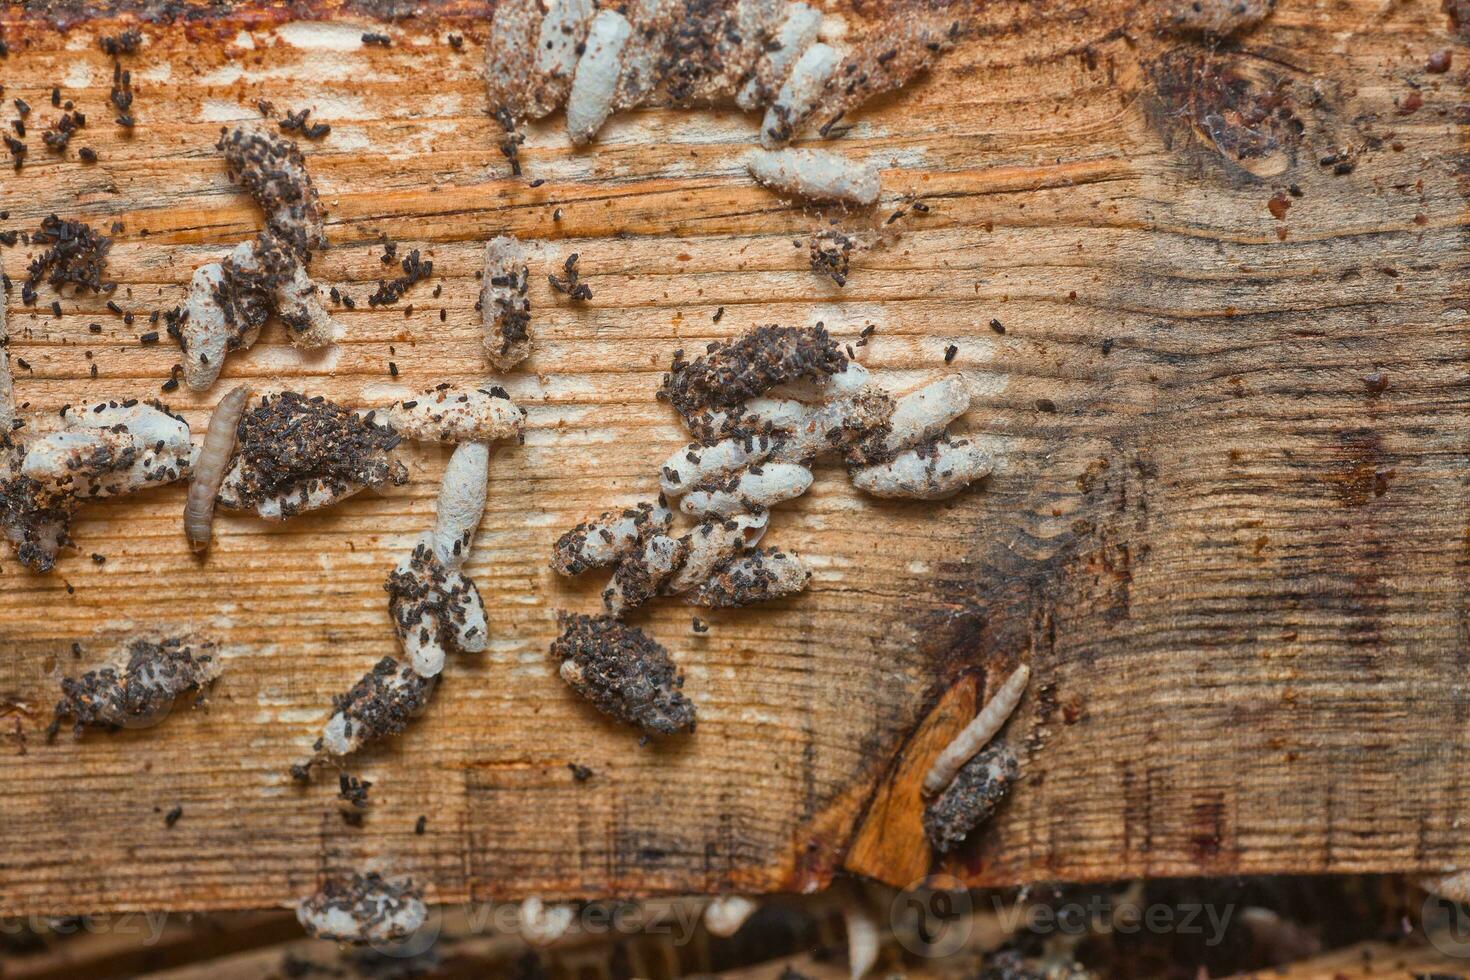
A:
{"x":353,"y":790}
{"x":9,"y":238}
{"x":59,"y":135}
{"x":87,"y":154}
{"x":295,"y":122}
{"x":1046,"y":405}
{"x":94,"y":327}
{"x":414,"y":270}
{"x":623,"y":673}
{"x":352,"y":818}
{"x":537,"y":182}
{"x":384,"y":701}
{"x":1376,"y":382}
{"x":172,"y":817}
{"x":77,"y":255}
{"x":579,"y":772}
{"x":300,"y":772}
{"x":699,"y":625}
{"x":151,"y":337}
{"x":1439,"y":62}
{"x":831,"y":255}
{"x":392,"y":369}
{"x":381,"y":40}
{"x":122,"y":95}
{"x":171,"y":385}
{"x":510,"y":146}
{"x":420,"y":825}
{"x":456,"y":41}
{"x":719,"y":314}
{"x":289,"y":440}
{"x":17,"y":149}
{"x":140,"y":691}
{"x":730,"y":373}
{"x":265,"y":107}
{"x":390,"y":253}
{"x":997,"y":326}
{"x":23,"y":107}
{"x":4,"y":48}
{"x":56,"y":96}
{"x":572,"y":286}
{"x":556,"y":215}
{"x":972,"y":798}
{"x":125,"y":43}
{"x":949,"y":353}
{"x":99,"y":559}
{"x":19,"y":126}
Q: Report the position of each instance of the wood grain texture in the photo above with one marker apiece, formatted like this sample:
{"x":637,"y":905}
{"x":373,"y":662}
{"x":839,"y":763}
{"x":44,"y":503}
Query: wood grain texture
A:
{"x":1237,"y":571}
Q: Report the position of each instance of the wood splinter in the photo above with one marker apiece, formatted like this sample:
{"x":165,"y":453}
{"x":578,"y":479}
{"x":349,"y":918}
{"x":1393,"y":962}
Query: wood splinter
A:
{"x":977,"y":733}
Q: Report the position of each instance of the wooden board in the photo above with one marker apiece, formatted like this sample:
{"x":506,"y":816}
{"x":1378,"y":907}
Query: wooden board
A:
{"x":1237,"y":571}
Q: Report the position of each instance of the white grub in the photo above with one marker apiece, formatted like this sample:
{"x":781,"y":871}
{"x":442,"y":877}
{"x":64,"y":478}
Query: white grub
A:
{"x":596,"y":79}
{"x":434,"y":608}
{"x":978,"y":732}
{"x":756,"y":576}
{"x":366,"y":908}
{"x":931,"y":472}
{"x":724,"y":916}
{"x":924,"y":413}
{"x":711,"y":544}
{"x":608,"y":537}
{"x":209,"y":468}
{"x":692,"y":465}
{"x":137,"y":685}
{"x":505,"y":310}
{"x":381,"y":704}
{"x":845,"y":383}
{"x":798,"y":96}
{"x":797,"y":33}
{"x":816,"y":175}
{"x":542,"y":925}
{"x":461,"y":503}
{"x":510,"y":58}
{"x":756,"y":488}
{"x":559,"y":40}
{"x":109,"y":449}
{"x":446,"y":414}
{"x":862,"y":938}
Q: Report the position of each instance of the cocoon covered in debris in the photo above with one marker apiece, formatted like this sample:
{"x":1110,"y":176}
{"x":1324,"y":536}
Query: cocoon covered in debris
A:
{"x":755,"y":488}
{"x":753,"y":577}
{"x":817,"y":175}
{"x":895,"y":51}
{"x":137,"y":686}
{"x":797,"y":32}
{"x":297,"y":454}
{"x":641,"y":574}
{"x":972,"y":798}
{"x":729,"y":373}
{"x":596,"y":79}
{"x":34,"y":522}
{"x":532,"y":53}
{"x":674,"y":565}
{"x":433,"y":605}
{"x":272,"y":169}
{"x":606,"y":538}
{"x":624,"y":673}
{"x":918,"y":417}
{"x":366,"y":908}
{"x":505,"y":311}
{"x":932,"y":471}
{"x":799,"y":94}
{"x":449,"y":414}
{"x":110,"y":448}
{"x":381,"y":704}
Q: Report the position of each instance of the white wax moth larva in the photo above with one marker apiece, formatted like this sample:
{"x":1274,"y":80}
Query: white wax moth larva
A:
{"x":608,"y":537}
{"x":137,"y":685}
{"x":978,"y":732}
{"x":862,"y":938}
{"x":797,"y":33}
{"x":755,"y":576}
{"x":930,"y":472}
{"x":816,"y":175}
{"x":595,"y":81}
{"x":563,"y":31}
{"x":725,"y":915}
{"x":381,"y":704}
{"x":922,"y":414}
{"x":7,"y":386}
{"x":505,"y":311}
{"x":365,"y":908}
{"x":711,"y":544}
{"x":798,"y":95}
{"x":694,"y":464}
{"x":132,"y":445}
{"x":454,"y":415}
{"x":542,"y":925}
{"x":755,"y":488}
{"x":849,"y":381}
{"x":209,"y":468}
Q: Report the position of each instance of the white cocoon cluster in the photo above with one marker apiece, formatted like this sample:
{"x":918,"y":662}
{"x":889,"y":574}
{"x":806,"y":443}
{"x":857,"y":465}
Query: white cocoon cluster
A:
{"x":817,"y":175}
{"x":596,"y":79}
{"x":713,"y":543}
{"x":797,"y":33}
{"x":756,"y":488}
{"x":542,"y":926}
{"x":455,"y":415}
{"x":925,"y":412}
{"x":109,"y":449}
{"x":366,"y":909}
{"x":695,"y":463}
{"x":932,"y":472}
{"x":799,"y":93}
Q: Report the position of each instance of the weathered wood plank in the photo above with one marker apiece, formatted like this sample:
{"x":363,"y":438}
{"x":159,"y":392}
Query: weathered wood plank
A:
{"x":1238,"y":573}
